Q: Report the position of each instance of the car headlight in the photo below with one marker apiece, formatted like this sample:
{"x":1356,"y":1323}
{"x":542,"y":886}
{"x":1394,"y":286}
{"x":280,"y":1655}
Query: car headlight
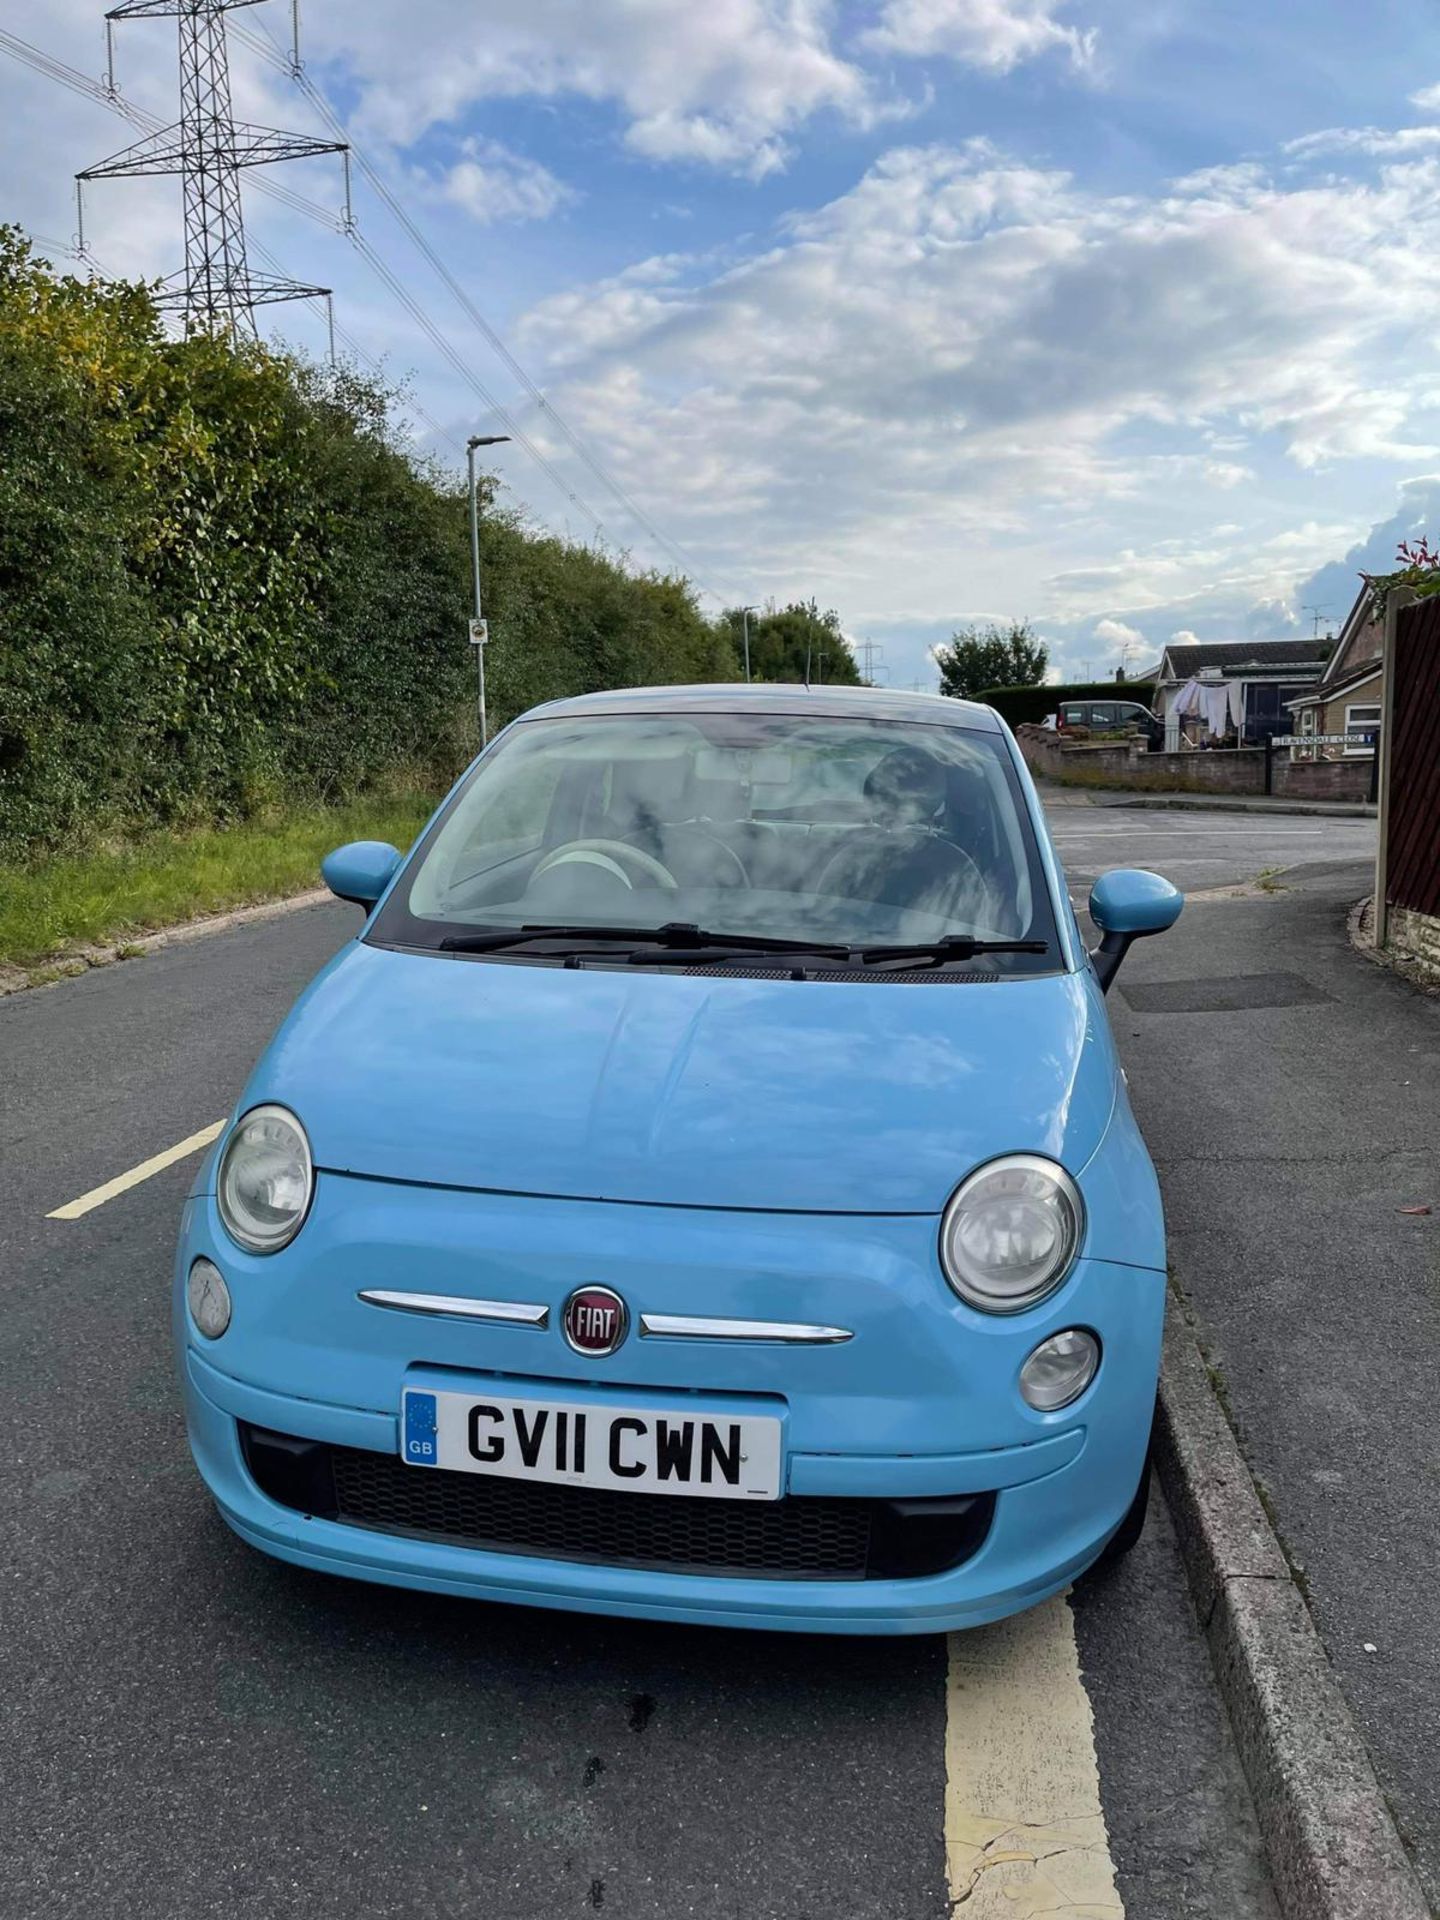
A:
{"x":266,"y":1180}
{"x":1011,"y":1232}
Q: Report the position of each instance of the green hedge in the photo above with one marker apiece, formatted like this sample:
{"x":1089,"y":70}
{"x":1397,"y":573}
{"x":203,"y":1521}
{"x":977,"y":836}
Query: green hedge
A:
{"x":1019,"y":704}
{"x":225,"y":584}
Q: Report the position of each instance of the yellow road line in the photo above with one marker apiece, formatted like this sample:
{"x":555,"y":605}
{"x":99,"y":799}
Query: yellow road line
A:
{"x":124,"y":1181}
{"x":1024,"y":1829}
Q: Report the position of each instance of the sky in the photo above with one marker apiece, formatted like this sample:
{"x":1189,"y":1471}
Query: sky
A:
{"x":1119,"y":319}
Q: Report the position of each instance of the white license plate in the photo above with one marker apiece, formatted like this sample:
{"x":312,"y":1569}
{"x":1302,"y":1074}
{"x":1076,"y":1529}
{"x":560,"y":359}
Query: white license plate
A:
{"x":707,"y":1456}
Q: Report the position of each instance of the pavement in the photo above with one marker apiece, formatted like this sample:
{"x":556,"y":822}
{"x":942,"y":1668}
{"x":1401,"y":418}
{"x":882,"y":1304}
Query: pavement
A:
{"x":1289,"y":1092}
{"x":196,"y":1729}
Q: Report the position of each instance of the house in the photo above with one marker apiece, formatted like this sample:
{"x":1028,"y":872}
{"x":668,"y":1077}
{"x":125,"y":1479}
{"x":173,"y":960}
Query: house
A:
{"x":1349,"y":696}
{"x":1260,"y":678}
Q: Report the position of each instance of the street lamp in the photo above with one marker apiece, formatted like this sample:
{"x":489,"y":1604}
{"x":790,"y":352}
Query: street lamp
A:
{"x":745,"y":613}
{"x":478,"y":633}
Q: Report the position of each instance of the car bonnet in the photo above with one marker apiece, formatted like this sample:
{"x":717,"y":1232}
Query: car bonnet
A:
{"x":866,"y":1096}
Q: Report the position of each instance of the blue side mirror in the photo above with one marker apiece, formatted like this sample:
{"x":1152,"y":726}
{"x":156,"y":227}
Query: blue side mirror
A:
{"x":361,"y":871}
{"x":1126,"y":905}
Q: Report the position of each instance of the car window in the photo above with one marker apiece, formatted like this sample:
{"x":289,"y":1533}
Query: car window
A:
{"x":853,"y":831}
{"x":1105,"y":713}
{"x":1074,"y":716}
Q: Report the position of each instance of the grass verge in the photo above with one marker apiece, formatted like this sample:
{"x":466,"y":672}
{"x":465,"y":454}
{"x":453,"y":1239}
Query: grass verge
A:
{"x":109,"y":895}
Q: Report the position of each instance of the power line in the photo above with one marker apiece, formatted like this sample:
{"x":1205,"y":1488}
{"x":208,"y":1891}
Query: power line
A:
{"x":207,"y":147}
{"x":112,"y":98}
{"x":266,"y":47}
{"x":377,"y":264}
{"x":870,"y":648}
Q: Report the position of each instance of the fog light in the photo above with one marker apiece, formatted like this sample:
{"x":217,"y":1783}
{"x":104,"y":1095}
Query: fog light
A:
{"x":1060,"y":1369}
{"x":208,"y":1298}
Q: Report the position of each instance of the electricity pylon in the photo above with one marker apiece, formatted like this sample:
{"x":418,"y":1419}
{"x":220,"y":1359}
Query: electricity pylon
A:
{"x":218,"y":290}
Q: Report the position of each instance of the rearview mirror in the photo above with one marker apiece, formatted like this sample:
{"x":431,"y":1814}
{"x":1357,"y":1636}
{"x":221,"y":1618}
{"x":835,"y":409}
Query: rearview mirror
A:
{"x":361,"y":871}
{"x":1127,"y":905}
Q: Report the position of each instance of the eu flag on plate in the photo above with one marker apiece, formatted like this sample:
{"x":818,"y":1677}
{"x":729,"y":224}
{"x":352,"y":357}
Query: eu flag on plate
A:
{"x":420,"y":1442}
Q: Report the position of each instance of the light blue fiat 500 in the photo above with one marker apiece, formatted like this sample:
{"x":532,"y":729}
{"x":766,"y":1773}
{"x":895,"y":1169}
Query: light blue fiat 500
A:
{"x":705,"y":1189}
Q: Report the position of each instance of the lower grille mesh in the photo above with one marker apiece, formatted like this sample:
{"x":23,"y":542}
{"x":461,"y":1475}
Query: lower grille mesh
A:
{"x":814,"y":1539}
{"x":791,"y":1539}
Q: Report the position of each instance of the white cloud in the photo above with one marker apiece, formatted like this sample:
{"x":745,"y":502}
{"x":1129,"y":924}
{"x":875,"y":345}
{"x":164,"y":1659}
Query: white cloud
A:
{"x":490,"y":183}
{"x":964,"y":348}
{"x":1115,"y":633}
{"x":1227,"y":473}
{"x":996,"y":35}
{"x":1183,"y":637}
{"x":720,"y":85}
{"x":1373,"y":142}
{"x":1427,"y":99}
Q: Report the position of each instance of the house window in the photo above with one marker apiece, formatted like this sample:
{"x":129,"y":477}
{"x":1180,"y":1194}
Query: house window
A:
{"x":1364,"y":720}
{"x":1307,"y":720}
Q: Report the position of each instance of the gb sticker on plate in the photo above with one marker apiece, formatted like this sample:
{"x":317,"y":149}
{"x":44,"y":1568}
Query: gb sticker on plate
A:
{"x":420,"y":1420}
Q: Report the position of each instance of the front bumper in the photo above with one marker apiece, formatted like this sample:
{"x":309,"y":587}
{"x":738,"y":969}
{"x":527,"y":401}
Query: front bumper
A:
{"x":922,"y":1402}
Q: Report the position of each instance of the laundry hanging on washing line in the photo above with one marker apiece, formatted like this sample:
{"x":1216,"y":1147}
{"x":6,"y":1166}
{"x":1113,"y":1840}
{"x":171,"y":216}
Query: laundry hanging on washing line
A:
{"x":1216,"y":702}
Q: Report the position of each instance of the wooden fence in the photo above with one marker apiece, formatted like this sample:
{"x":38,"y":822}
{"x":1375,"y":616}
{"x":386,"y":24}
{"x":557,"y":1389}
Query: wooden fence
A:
{"x":1413,"y":860}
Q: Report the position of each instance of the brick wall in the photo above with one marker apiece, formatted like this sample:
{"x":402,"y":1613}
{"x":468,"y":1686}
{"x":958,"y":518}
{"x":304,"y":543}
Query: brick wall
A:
{"x":1417,"y":937}
{"x":1321,"y":779}
{"x":1236,"y":770}
{"x":1239,"y":770}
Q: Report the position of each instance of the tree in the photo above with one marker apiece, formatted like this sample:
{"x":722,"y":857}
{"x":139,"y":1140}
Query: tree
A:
{"x":787,"y":641}
{"x":991,"y":656}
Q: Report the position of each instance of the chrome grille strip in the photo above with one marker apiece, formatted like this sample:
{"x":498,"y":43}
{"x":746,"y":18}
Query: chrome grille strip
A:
{"x":674,"y":1326}
{"x":456,"y":1307}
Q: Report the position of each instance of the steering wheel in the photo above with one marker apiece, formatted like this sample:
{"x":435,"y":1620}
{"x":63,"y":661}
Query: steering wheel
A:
{"x":621,"y":862}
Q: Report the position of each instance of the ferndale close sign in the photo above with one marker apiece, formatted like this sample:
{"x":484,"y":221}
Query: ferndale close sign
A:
{"x":1326,"y":739}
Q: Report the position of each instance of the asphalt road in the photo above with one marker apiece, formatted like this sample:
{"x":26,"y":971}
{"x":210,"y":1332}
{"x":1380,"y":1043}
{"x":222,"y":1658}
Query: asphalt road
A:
{"x":1198,"y":850}
{"x":195,"y":1729}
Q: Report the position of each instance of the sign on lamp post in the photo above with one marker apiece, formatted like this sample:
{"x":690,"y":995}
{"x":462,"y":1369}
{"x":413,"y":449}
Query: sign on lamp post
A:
{"x":479,"y":627}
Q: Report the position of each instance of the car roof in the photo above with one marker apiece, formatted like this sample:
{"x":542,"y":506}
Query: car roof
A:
{"x":872,"y":703}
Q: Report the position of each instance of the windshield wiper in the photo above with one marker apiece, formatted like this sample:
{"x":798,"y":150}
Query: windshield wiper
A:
{"x":952,"y":946}
{"x":682,"y":942}
{"x":492,"y":939}
{"x":681,"y":937}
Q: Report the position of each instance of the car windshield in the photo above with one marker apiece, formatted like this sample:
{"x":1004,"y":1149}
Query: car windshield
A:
{"x":848,"y":832}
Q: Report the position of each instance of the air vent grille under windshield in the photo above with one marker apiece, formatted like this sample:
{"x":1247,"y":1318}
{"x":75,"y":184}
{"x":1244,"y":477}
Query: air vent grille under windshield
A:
{"x":870,"y":976}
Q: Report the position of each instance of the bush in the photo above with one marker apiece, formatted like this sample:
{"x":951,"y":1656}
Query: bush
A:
{"x":224,"y":585}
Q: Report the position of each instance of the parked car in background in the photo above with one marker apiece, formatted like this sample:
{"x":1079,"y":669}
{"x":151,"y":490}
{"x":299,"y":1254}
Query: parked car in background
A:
{"x":1113,"y":716}
{"x":705,"y":1189}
